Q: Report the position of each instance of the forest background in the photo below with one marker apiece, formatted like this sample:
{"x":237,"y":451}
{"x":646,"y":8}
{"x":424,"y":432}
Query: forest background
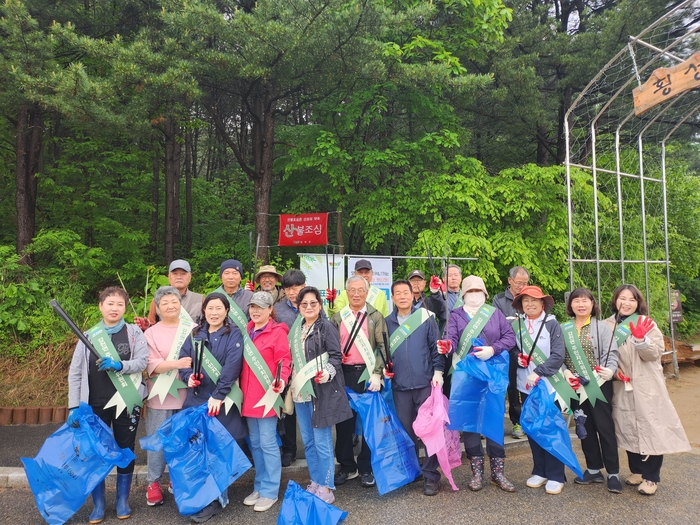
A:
{"x":134,"y":132}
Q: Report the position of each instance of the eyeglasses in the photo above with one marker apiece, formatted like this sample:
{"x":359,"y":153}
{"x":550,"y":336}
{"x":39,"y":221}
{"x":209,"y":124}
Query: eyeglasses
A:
{"x":312,"y":304}
{"x":521,"y":283}
{"x":356,"y":291}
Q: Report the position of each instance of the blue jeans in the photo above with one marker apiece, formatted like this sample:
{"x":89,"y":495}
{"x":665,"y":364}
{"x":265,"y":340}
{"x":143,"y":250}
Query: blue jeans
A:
{"x":318,"y":446}
{"x":266,"y":455}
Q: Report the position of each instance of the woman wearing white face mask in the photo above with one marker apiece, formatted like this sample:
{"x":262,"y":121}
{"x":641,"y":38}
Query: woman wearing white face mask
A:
{"x":497,"y":336}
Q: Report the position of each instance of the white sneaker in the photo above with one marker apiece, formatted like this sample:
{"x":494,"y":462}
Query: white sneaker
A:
{"x":535,"y":482}
{"x":251,"y":499}
{"x":553,"y":487}
{"x":264,"y":504}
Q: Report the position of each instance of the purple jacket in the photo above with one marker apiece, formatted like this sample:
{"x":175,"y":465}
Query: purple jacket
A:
{"x":497,"y":332}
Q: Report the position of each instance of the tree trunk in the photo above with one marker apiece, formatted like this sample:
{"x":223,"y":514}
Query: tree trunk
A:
{"x":155,"y":197}
{"x":172,"y":187}
{"x":188,"y":193}
{"x":27,"y":152}
{"x":263,"y":145}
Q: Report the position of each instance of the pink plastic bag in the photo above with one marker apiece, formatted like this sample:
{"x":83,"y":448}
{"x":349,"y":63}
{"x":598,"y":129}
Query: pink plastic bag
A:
{"x":430,"y":427}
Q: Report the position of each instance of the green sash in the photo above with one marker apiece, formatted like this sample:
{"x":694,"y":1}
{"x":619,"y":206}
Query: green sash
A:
{"x":560,"y":385}
{"x":235,"y":312}
{"x":167,"y":382}
{"x":592,"y":390}
{"x":306,"y":370}
{"x":271,"y":400}
{"x":416,"y":319}
{"x":127,"y":395}
{"x":473,"y":329}
{"x":212,"y":367}
{"x":372,"y":294}
{"x":361,"y":343}
{"x":622,"y":332}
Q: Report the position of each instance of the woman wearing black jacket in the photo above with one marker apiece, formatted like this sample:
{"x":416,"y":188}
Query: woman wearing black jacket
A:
{"x":318,"y":390}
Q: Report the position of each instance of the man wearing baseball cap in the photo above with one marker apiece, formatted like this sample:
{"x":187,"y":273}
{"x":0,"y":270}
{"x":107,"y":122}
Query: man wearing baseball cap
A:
{"x":375,"y":296}
{"x":435,"y":303}
{"x":179,"y":276}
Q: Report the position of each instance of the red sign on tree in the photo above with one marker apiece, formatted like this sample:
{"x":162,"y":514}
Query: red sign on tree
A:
{"x":308,"y":229}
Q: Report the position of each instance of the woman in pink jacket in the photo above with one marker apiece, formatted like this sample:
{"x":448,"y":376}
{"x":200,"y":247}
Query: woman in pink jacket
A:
{"x":261,"y":385}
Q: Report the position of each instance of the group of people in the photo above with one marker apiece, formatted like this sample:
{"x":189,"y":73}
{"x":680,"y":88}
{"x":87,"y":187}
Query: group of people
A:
{"x":260,"y":347}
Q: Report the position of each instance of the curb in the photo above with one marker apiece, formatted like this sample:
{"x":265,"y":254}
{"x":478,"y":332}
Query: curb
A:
{"x":15,"y":477}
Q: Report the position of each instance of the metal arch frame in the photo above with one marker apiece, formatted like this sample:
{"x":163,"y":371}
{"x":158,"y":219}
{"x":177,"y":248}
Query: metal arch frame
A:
{"x":591,"y":127}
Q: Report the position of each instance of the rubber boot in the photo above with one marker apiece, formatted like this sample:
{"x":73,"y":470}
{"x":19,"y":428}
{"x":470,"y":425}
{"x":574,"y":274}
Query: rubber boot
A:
{"x":123,"y":489}
{"x":477,"y":482}
{"x":497,"y":475}
{"x":98,"y":499}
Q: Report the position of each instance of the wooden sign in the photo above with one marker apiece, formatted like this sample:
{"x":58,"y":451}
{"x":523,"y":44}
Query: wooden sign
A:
{"x":666,"y":83}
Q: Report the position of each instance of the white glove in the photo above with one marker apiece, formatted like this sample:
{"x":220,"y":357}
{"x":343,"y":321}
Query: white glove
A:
{"x":375,"y":383}
{"x":605,"y":373}
{"x":483,"y":352}
{"x":532,"y":379}
{"x":568,"y":374}
{"x":277,"y":387}
{"x":324,"y":377}
{"x":437,"y":378}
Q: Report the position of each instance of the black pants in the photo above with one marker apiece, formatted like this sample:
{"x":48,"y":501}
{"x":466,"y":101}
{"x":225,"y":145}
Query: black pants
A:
{"x":124,"y":428}
{"x":545,"y":464}
{"x":407,"y":404}
{"x":600,"y":447}
{"x":515,"y":402}
{"x":649,"y":469}
{"x":473,"y":448}
{"x":289,"y":438}
{"x":344,"y":430}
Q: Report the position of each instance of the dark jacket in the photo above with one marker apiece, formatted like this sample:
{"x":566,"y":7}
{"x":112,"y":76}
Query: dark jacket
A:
{"x":497,"y":333}
{"x":285,"y":312}
{"x":504,"y":302}
{"x":331,"y":404}
{"x":228,"y":351}
{"x":417,"y":357}
{"x":433,"y":303}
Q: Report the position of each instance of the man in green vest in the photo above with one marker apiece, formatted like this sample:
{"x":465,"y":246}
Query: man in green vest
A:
{"x":375,"y":296}
{"x":416,"y":363}
{"x":361,"y":327}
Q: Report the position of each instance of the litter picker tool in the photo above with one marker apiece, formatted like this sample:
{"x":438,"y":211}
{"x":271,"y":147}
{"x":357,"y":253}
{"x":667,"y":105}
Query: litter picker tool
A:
{"x":388,"y":364}
{"x":353,"y":333}
{"x":74,"y":327}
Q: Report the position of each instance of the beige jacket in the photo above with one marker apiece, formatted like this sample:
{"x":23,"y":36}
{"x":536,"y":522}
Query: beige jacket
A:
{"x":645,"y":421}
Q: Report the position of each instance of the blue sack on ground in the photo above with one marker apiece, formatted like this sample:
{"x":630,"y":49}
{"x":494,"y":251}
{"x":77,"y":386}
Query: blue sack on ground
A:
{"x":394,"y":459}
{"x":388,"y":395}
{"x":71,"y":463}
{"x":203,"y":458}
{"x":542,"y":421}
{"x":300,"y":507}
{"x":478,"y":396}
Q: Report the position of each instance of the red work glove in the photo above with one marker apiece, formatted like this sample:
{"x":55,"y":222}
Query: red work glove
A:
{"x":522,"y":360}
{"x":278,"y":386}
{"x":142,"y":322}
{"x":444,"y":346}
{"x":435,"y":284}
{"x":195,"y":380}
{"x":250,"y":286}
{"x":331,"y":294}
{"x":622,"y":377}
{"x":214,"y":406}
{"x":575,"y":383}
{"x":644,"y":326}
{"x":388,"y":373}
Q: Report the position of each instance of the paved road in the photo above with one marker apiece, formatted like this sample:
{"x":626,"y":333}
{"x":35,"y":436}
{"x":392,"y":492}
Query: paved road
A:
{"x":676,"y":501}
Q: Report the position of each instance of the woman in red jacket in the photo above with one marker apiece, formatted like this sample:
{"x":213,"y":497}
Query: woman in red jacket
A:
{"x":261,"y":385}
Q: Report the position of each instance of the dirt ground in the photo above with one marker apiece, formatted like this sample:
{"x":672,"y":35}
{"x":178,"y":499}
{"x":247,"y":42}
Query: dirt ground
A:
{"x":685,"y":394}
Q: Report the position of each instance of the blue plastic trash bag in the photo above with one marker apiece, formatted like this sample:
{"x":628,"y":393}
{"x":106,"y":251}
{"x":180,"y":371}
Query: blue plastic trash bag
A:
{"x":542,"y":421}
{"x":203,"y":458}
{"x":394,"y":459}
{"x":478,"y":396}
{"x":71,"y":463}
{"x":388,"y":395}
{"x":300,"y":507}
